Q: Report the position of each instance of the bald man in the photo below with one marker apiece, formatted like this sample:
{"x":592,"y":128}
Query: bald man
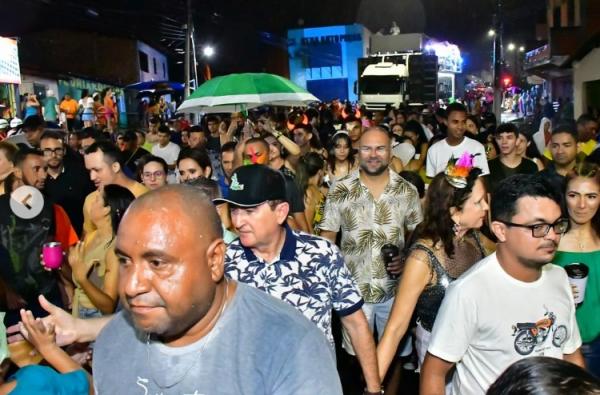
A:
{"x":374,"y":206}
{"x":185,"y":329}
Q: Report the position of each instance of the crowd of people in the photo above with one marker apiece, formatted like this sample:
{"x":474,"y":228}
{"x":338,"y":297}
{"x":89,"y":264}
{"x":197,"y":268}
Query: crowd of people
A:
{"x":218,"y":257}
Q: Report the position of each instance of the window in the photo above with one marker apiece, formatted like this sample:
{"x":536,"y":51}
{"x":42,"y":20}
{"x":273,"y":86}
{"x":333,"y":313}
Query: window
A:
{"x":164,"y":70}
{"x":154,"y":65}
{"x":144,"y":62}
{"x":383,"y":85}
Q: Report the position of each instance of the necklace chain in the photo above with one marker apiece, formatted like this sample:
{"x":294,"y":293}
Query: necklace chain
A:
{"x":207,"y":340}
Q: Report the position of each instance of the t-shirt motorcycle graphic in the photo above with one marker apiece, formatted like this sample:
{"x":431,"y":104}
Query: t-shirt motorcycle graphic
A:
{"x":529,"y":335}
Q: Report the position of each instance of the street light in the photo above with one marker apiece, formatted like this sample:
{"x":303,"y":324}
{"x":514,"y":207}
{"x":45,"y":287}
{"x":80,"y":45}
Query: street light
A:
{"x":491,"y":33}
{"x":521,"y":49}
{"x":208,"y":51}
{"x":511,"y":47}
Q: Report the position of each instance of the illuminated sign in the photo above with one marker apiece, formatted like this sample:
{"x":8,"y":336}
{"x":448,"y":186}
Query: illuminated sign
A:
{"x":449,"y":58}
{"x":537,"y":56}
{"x":336,"y":38}
{"x":9,"y":61}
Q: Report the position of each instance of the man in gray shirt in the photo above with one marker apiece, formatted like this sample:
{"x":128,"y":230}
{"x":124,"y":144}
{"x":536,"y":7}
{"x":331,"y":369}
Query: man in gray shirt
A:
{"x":185,"y":329}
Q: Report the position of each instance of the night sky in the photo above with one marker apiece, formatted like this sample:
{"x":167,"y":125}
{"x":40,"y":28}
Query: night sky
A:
{"x":237,"y":28}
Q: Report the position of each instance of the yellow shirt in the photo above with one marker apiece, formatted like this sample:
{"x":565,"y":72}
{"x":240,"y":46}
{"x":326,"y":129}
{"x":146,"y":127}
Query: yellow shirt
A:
{"x":88,"y":226}
{"x":95,"y":257}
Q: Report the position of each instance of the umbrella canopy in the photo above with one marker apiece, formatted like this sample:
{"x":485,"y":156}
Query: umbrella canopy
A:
{"x":239,"y":92}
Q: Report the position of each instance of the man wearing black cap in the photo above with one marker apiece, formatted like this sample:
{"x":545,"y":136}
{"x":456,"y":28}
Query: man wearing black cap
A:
{"x":305,"y":271}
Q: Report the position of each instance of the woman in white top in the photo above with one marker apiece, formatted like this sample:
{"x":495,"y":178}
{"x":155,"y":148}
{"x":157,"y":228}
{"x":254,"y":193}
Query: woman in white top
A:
{"x":86,"y":104}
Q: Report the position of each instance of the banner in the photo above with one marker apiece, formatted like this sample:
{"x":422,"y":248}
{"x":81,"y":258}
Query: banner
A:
{"x":9,"y":61}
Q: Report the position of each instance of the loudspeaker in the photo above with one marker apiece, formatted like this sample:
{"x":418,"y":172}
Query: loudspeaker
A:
{"x":422,"y":78}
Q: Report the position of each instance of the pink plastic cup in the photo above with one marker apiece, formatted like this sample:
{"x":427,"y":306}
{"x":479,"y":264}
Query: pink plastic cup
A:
{"x":52,"y":255}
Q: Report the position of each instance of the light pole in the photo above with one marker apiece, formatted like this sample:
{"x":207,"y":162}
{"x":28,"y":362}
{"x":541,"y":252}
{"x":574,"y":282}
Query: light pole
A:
{"x":188,"y":48}
{"x":498,"y":61}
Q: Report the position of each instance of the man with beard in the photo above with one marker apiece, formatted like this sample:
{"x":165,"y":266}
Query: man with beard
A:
{"x":374,"y":206}
{"x":564,"y":149}
{"x":22,"y":239}
{"x":513,"y":303}
{"x":68,"y":182}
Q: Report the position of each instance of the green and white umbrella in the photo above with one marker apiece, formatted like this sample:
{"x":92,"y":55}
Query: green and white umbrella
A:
{"x":240,"y":92}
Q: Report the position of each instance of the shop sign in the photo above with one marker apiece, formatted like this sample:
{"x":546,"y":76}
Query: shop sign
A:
{"x":9,"y":61}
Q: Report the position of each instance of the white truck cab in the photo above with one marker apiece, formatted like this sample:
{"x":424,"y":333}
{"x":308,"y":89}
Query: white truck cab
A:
{"x":382,"y":84}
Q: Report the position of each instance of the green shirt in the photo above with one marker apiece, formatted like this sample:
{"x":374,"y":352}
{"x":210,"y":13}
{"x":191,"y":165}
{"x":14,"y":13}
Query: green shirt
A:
{"x":50,"y":104}
{"x":588,"y":314}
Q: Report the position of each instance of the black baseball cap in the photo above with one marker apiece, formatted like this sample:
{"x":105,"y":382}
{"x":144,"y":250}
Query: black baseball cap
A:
{"x":254,"y":185}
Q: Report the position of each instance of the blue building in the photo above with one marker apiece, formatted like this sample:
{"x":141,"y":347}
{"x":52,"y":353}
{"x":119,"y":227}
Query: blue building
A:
{"x":323,"y":60}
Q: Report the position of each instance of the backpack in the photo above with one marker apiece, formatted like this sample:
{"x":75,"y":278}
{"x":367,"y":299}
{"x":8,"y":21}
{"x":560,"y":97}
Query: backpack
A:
{"x":22,"y":241}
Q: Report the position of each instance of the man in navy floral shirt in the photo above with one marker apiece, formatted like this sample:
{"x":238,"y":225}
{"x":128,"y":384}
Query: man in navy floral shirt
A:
{"x":305,"y":271}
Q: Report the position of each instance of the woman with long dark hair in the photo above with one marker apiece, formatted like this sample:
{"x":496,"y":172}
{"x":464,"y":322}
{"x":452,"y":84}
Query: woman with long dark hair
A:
{"x":93,"y":260}
{"x":341,"y":160}
{"x":193,"y":163}
{"x":448,"y":242}
{"x":581,"y":244}
{"x":309,"y":176}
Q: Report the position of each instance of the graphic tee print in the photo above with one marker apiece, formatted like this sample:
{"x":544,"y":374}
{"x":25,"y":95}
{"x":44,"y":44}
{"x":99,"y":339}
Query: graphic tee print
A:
{"x":489,"y":320}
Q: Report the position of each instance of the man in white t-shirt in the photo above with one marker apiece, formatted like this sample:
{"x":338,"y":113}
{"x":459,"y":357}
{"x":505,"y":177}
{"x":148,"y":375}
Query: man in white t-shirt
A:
{"x":455,"y":144}
{"x":167,"y":150}
{"x":512,"y":304}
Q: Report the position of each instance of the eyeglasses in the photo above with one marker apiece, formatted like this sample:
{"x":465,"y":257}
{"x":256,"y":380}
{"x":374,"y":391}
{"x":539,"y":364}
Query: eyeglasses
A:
{"x":382,"y":149}
{"x":50,"y":151}
{"x":156,"y":174}
{"x":541,"y":230}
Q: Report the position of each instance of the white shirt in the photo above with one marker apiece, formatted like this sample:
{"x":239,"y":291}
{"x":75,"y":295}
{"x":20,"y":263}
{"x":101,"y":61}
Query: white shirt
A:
{"x":475,"y":326}
{"x":441,"y":152}
{"x":169,"y":152}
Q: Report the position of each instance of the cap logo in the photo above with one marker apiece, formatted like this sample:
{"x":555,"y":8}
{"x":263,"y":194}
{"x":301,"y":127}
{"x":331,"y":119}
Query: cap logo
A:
{"x":235,"y":185}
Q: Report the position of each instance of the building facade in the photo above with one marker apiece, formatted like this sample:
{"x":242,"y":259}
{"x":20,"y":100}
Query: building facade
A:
{"x":324,"y":60}
{"x":569,"y":62}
